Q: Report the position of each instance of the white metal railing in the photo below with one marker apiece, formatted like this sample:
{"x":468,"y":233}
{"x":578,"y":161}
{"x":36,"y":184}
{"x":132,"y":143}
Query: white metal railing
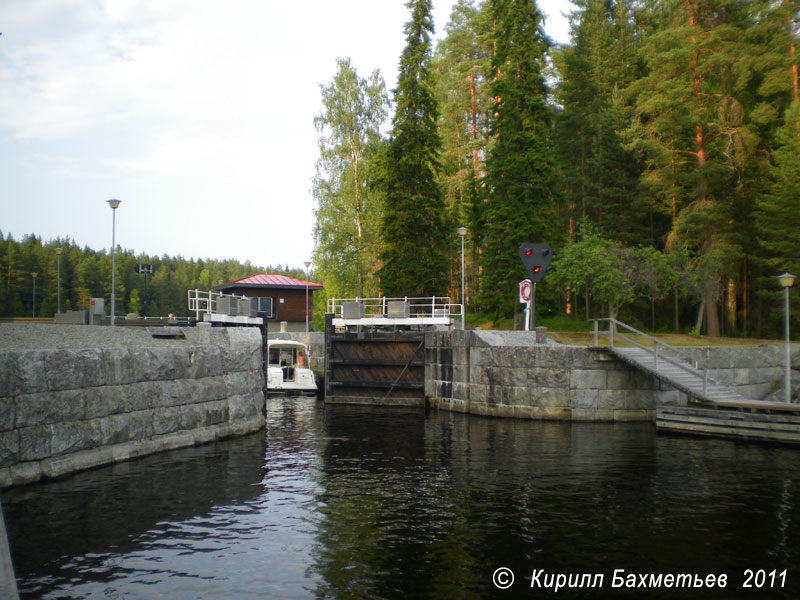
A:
{"x":678,"y":358}
{"x":203,"y":301}
{"x":403,"y":308}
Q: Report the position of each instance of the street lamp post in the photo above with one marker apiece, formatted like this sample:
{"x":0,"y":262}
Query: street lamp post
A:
{"x":33,"y":275}
{"x":58,"y":282}
{"x":786,"y":280}
{"x":462,"y":232}
{"x":114,"y":204}
{"x":307,"y":264}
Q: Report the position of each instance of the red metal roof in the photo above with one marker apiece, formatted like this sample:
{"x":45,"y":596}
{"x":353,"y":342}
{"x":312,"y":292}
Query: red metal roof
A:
{"x":269,"y":280}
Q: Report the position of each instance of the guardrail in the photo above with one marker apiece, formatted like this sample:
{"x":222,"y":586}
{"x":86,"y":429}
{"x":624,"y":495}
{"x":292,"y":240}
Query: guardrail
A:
{"x":407,"y":309}
{"x":678,"y":358}
{"x":216,"y":303}
{"x":202,"y":301}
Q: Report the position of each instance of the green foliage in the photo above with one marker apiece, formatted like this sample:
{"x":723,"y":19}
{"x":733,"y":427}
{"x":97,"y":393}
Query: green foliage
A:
{"x":666,"y":125}
{"x":348,"y":205}
{"x":413,"y":233}
{"x":564,"y":323}
{"x":612,"y":274}
{"x":86,"y":273}
{"x":521,"y":184}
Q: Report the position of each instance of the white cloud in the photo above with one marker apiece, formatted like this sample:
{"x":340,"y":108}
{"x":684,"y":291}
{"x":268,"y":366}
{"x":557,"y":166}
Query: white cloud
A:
{"x":178,"y":108}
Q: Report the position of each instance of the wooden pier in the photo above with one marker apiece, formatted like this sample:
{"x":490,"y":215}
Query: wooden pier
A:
{"x":755,"y":420}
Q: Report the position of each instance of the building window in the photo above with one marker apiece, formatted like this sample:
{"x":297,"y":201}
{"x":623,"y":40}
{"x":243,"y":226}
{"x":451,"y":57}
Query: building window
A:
{"x":266,"y":307}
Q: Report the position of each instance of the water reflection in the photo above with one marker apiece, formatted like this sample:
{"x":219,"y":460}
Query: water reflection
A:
{"x":348,"y":502}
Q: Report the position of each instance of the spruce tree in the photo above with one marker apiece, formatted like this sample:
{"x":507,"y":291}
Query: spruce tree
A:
{"x":778,"y":212}
{"x":413,"y":235}
{"x":522,"y":200}
{"x":599,"y":173}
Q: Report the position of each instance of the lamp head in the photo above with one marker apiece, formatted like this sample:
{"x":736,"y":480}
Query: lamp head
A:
{"x":114,"y":203}
{"x":462,"y":231}
{"x":307,"y":263}
{"x":786,"y":279}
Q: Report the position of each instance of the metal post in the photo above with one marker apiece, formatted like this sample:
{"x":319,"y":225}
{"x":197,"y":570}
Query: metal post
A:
{"x":34,"y":294}
{"x":655,"y":355}
{"x":58,"y":282}
{"x":113,"y":203}
{"x":113,"y":266}
{"x":786,"y":280}
{"x":610,"y":332}
{"x":307,"y":264}
{"x":532,"y":308}
{"x":705,"y":369}
{"x":462,"y":271}
{"x":596,"y":334}
{"x":463,"y":301}
{"x":788,"y":376}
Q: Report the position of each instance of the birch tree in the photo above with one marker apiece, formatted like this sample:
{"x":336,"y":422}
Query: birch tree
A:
{"x":348,"y":208}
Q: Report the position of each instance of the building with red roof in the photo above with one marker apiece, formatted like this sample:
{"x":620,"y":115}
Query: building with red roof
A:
{"x":281,"y":298}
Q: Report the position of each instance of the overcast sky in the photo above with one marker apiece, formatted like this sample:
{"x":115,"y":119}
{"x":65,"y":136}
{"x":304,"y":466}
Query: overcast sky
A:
{"x":197,"y":114}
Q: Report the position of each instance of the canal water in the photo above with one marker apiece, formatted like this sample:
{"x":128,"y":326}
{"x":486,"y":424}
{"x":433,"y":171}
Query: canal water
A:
{"x":354,"y":502}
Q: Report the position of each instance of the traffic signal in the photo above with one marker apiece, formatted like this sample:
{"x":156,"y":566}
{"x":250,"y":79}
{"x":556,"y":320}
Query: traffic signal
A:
{"x":535,"y":258}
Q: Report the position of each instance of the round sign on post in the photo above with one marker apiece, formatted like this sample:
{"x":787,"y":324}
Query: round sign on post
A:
{"x":525,"y":288}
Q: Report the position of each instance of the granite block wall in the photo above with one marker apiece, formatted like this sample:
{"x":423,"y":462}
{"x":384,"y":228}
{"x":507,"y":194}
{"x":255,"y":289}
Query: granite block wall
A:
{"x":506,"y":374}
{"x":106,"y":398}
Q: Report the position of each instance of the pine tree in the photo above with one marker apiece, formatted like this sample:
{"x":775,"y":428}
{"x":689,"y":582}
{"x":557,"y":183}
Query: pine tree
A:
{"x":462,"y":65}
{"x":692,"y":133}
{"x":413,"y":234}
{"x":521,"y":188}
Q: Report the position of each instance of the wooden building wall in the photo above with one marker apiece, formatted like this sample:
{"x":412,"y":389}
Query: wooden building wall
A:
{"x":293,"y":306}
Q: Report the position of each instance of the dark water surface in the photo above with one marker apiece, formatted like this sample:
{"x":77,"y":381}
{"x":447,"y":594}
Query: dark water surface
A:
{"x":344,"y":502}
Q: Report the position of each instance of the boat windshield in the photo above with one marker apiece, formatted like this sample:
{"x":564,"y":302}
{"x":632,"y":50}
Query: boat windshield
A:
{"x":282,"y":356}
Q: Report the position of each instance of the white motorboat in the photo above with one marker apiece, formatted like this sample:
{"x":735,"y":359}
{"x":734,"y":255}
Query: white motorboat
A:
{"x":289,"y":370}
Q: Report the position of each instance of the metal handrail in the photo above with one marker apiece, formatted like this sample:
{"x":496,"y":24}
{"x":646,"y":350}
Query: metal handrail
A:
{"x":196,"y":298}
{"x":419,"y":307}
{"x":614,"y":324}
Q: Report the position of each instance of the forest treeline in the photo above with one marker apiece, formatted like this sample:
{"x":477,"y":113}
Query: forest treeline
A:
{"x":86,"y":274}
{"x":658,"y":153}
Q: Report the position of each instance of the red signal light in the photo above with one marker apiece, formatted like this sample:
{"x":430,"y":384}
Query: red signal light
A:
{"x":528,"y":252}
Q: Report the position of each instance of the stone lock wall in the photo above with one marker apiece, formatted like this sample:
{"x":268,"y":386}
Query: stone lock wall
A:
{"x":122,"y":395}
{"x":507,"y":374}
{"x":756,"y":372}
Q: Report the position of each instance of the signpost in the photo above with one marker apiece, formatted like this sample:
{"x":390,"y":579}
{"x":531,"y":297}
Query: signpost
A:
{"x":535,"y":258}
{"x":145,"y":270}
{"x":525,"y":297}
